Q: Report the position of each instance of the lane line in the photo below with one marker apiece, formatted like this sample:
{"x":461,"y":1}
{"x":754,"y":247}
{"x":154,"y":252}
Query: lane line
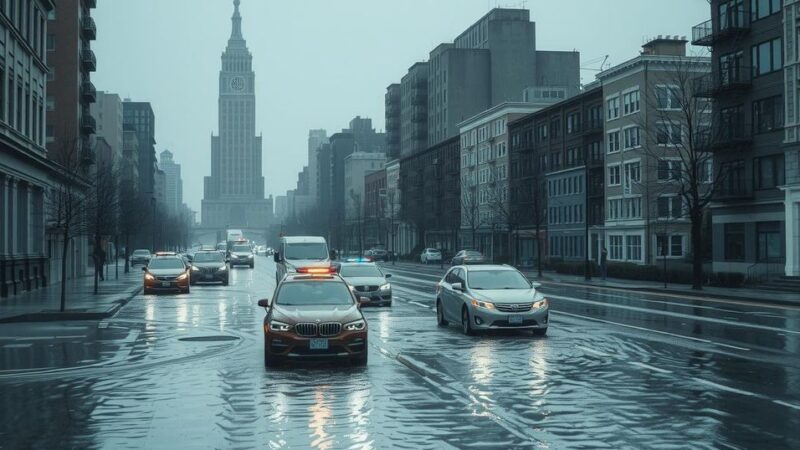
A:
{"x":788,"y":405}
{"x":728,"y":389}
{"x":420,"y":305}
{"x":649,"y":367}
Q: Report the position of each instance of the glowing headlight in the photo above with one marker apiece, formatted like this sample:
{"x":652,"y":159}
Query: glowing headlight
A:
{"x":182,"y":276}
{"x":149,"y":277}
{"x":543,"y":303}
{"x":480,"y":304}
{"x":223,"y":268}
{"x":355,"y":326}
{"x":386,"y":287}
{"x":195,"y":269}
{"x":279,"y":326}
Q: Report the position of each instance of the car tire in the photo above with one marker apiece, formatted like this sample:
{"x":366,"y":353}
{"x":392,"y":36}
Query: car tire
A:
{"x":225,"y":282}
{"x":252,"y":265}
{"x":187,"y":290}
{"x":466,"y":324}
{"x":440,"y":320}
{"x":147,"y":292}
{"x":540,"y":332}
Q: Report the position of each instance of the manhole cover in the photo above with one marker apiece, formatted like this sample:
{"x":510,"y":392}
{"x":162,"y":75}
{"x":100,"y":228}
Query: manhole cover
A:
{"x":209,"y":338}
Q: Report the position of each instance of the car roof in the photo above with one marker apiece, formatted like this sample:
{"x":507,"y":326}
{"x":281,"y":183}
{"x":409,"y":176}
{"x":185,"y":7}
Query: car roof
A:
{"x":302,"y":239}
{"x":479,"y":267}
{"x":168,"y":257}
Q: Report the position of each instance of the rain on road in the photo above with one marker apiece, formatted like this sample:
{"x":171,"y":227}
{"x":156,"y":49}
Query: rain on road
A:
{"x":616,"y":370}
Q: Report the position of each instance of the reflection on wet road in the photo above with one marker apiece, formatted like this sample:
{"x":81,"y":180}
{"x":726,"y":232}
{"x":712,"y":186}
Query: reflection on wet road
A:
{"x":616,"y":370}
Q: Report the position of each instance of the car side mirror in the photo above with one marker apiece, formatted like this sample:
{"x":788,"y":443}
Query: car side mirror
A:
{"x":457,"y":286}
{"x":276,"y":257}
{"x":332,"y":255}
{"x":144,"y":268}
{"x":388,"y":275}
{"x":362,"y":301}
{"x":536,"y":284}
{"x":264,"y":303}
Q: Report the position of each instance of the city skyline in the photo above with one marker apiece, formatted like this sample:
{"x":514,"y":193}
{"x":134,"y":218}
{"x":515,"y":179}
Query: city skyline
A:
{"x":295,"y":101}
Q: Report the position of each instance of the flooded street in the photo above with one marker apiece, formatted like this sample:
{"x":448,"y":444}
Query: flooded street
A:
{"x":614,"y":371}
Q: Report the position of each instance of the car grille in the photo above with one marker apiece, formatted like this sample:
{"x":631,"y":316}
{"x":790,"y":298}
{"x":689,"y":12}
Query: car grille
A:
{"x":366,"y":288}
{"x":306,"y":329}
{"x":330,"y":329}
{"x":519,"y":307}
{"x":170,"y":278}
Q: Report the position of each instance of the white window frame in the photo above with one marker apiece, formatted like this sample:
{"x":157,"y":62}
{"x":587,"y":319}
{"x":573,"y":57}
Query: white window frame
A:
{"x":629,"y":93}
{"x":618,"y":166}
{"x":670,"y":161}
{"x":618,"y":105}
{"x":669,"y":106}
{"x":611,"y":238}
{"x":625,"y":131}
{"x":670,"y":237}
{"x":609,"y":133}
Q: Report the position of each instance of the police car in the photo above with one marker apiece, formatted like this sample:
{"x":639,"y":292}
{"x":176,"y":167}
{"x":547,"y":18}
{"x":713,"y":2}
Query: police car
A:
{"x":367,"y":280}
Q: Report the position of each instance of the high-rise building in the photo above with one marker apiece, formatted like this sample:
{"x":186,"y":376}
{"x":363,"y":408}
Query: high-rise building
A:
{"x":747,"y":89}
{"x":139,"y":117}
{"x":392,"y":116}
{"x":173,"y":184}
{"x":791,"y":20}
{"x":234,"y":193}
{"x":70,"y":31}
{"x":414,"y":110}
{"x":107,"y":112}
{"x":25,"y":171}
{"x":315,"y":139}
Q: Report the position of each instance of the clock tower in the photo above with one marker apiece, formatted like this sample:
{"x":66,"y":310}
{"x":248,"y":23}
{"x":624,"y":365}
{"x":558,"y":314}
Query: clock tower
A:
{"x":234,"y":193}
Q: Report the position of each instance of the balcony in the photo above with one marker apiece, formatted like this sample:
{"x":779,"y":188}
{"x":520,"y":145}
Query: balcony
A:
{"x":733,"y":23}
{"x":88,"y":124}
{"x":88,"y":60}
{"x":88,"y":91}
{"x":88,"y":28}
{"x":732,"y":135}
{"x":730,"y":79}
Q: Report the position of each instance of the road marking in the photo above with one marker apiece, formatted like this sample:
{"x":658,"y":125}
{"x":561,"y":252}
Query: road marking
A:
{"x":17,"y":345}
{"x":649,"y":367}
{"x":420,"y":305}
{"x":674,"y":314}
{"x":788,"y":405}
{"x":726,"y":388}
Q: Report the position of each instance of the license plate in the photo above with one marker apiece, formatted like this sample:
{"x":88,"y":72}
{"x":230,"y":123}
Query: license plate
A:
{"x":165,"y":284}
{"x":515,"y":320}
{"x":318,"y":344}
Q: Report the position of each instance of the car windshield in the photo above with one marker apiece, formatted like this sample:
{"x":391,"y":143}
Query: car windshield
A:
{"x":141,"y":252}
{"x":433,"y":250}
{"x":360,"y":271}
{"x":241,"y":248}
{"x":314,"y":293}
{"x":208,"y":257}
{"x":473,"y":254}
{"x":166,"y":263}
{"x":306,"y":250}
{"x":496,"y":279}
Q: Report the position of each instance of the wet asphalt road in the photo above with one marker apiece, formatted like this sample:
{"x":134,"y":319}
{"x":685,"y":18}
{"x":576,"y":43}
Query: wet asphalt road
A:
{"x":617,"y":370}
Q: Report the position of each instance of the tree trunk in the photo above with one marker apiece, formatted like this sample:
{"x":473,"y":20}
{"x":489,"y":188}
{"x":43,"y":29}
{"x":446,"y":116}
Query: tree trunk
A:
{"x":127,"y":249}
{"x":697,"y":249}
{"x":538,"y":250}
{"x":64,"y":251}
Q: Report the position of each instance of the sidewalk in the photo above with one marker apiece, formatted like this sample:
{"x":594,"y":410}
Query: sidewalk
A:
{"x":747,"y":294}
{"x":43,"y":305}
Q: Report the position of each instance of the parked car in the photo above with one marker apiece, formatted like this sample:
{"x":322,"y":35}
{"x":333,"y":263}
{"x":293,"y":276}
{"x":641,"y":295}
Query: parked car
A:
{"x":491,"y":297}
{"x":468,"y":257}
{"x":430,"y":255}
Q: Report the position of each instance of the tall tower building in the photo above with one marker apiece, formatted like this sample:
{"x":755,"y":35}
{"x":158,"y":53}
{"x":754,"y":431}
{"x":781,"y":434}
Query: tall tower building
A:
{"x":234,"y":193}
{"x":173,"y":184}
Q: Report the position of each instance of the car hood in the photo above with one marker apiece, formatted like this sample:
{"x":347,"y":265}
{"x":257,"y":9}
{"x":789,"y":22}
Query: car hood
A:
{"x":295,"y":263}
{"x":505,"y":295}
{"x":314,"y":313}
{"x":240,"y":254}
{"x":206,"y":265}
{"x":365,"y":281}
{"x":165,"y":272}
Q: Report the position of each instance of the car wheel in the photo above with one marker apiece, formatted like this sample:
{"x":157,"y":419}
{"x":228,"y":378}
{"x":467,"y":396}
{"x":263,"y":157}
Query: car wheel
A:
{"x":440,"y":314}
{"x":269,"y":360}
{"x":225,"y":282}
{"x":540,"y":332}
{"x":466,"y":325}
{"x":187,"y":290}
{"x":252,"y":265}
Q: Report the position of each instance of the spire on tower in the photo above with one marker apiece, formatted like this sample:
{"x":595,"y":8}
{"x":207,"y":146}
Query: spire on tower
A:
{"x":236,"y":20}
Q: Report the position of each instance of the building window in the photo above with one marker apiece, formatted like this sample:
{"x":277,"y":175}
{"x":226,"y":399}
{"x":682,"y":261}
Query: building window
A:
{"x":768,"y":114}
{"x":734,"y":242}
{"x":615,"y":247}
{"x":631,"y":137}
{"x":767,"y":57}
{"x":633,"y":173}
{"x":555,"y":127}
{"x":667,"y":97}
{"x":51,"y":42}
{"x":630,"y":102}
{"x":51,"y":103}
{"x":668,"y":133}
{"x":731,"y":14}
{"x":769,"y":171}
{"x":769,"y":241}
{"x":614,"y":178}
{"x":633,"y":248}
{"x":760,"y":9}
{"x":612,"y":108}
{"x":574,"y":123}
{"x":669,"y":245}
{"x":669,"y":207}
{"x":613,"y":141}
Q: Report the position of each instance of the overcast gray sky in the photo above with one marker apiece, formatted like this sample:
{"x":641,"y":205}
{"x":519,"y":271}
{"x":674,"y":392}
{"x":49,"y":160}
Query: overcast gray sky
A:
{"x":319,"y":63}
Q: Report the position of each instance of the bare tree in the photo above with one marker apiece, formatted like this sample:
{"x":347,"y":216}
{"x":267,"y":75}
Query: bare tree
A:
{"x":679,"y":141}
{"x":68,"y":201}
{"x":470,"y":209}
{"x":103,"y":208}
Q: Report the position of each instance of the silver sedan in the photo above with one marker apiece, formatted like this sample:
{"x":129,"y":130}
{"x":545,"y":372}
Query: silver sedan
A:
{"x":490,"y":297}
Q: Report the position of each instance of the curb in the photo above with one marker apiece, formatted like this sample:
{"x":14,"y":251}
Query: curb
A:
{"x":70,"y":316}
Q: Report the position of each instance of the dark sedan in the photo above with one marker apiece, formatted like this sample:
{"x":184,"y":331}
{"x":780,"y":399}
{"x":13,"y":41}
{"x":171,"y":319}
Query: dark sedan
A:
{"x":210,"y":267}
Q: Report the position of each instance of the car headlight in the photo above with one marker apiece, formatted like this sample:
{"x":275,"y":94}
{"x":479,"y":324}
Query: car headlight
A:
{"x":223,"y":268}
{"x":183,"y":276}
{"x":149,"y":277}
{"x":355,"y":326}
{"x":481,"y":304}
{"x":543,"y":303}
{"x":279,"y":326}
{"x":386,"y":287}
{"x":195,"y":269}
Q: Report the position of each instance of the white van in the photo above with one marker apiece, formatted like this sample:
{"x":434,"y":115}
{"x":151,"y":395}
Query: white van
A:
{"x":295,"y":252}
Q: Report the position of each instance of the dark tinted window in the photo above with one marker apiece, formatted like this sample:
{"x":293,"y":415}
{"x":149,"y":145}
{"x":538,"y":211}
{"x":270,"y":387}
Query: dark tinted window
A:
{"x":497,"y":279}
{"x":241,"y":248}
{"x":166,"y":263}
{"x":306,"y":250}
